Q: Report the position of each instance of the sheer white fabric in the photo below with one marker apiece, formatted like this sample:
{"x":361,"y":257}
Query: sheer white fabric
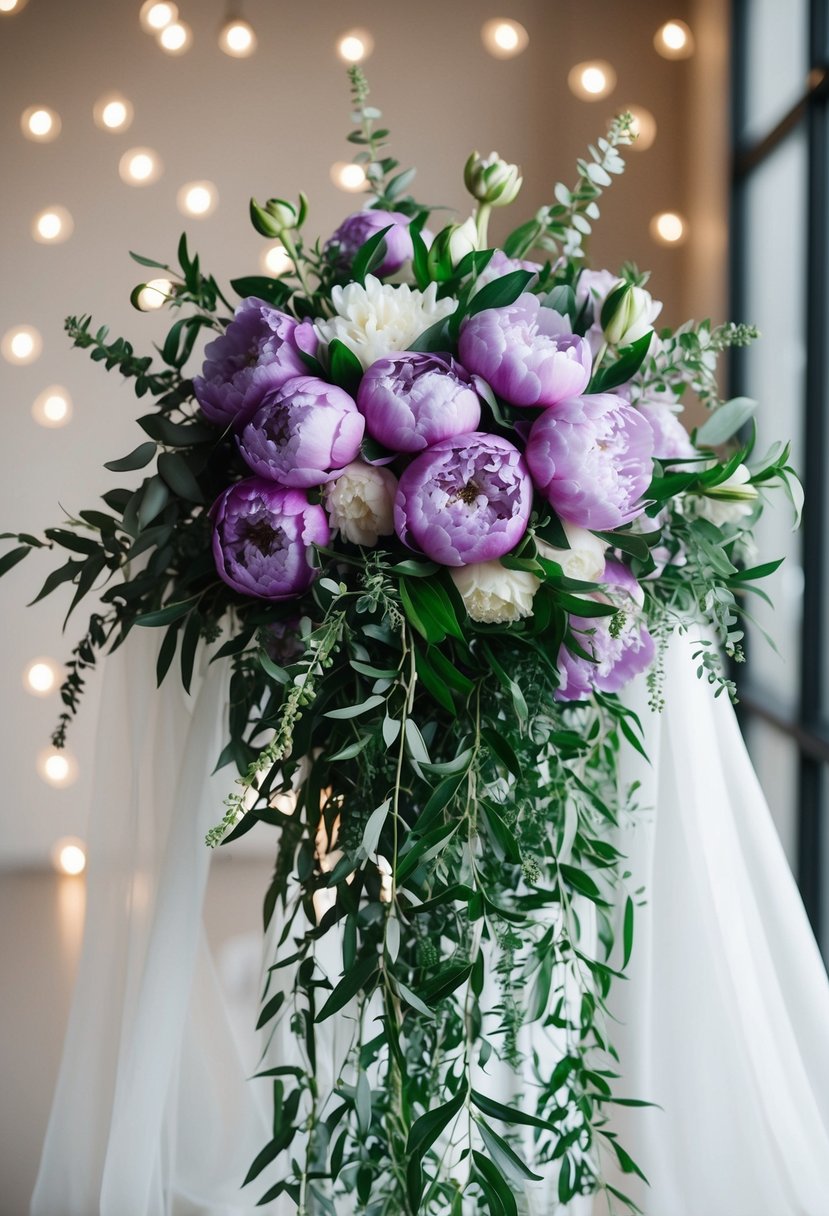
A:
{"x":723,"y":1022}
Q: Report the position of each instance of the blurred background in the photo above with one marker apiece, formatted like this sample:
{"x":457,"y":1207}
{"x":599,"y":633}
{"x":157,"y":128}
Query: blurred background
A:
{"x":122,"y":125}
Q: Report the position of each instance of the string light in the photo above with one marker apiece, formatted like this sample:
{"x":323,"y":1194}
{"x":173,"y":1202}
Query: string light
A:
{"x":53,"y":225}
{"x":140,"y":167}
{"x":155,"y":15}
{"x":355,"y":46}
{"x":348,"y":177}
{"x":69,"y":856}
{"x":40,"y":124}
{"x":197,"y":199}
{"x":58,"y":768}
{"x":22,"y":344}
{"x":175,"y":38}
{"x":275,"y":261}
{"x":674,"y":40}
{"x":113,"y":112}
{"x":154,"y":295}
{"x":669,"y":228}
{"x":53,"y":407}
{"x":504,"y":38}
{"x":8,"y":7}
{"x":592,"y":80}
{"x":643,"y":127}
{"x":237,"y":37}
{"x":41,"y":677}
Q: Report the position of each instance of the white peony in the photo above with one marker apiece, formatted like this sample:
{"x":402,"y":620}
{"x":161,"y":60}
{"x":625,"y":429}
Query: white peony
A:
{"x":729,"y":502}
{"x":360,"y":502}
{"x":584,"y":559}
{"x":492,"y":594}
{"x":380,"y":318}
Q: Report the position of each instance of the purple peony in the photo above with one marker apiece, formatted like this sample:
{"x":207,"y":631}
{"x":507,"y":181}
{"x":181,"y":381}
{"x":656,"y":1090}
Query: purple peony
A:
{"x":259,"y":351}
{"x":466,"y":499}
{"x":303,"y":433}
{"x":526,"y":353}
{"x":619,"y":656}
{"x":411,"y":400}
{"x":262,"y":536}
{"x":671,"y":441}
{"x":360,"y":227}
{"x":592,"y":460}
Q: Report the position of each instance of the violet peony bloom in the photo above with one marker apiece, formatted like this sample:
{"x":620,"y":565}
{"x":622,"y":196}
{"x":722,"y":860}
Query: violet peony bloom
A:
{"x":671,"y":441}
{"x":303,"y":433}
{"x":466,"y":499}
{"x":259,"y":351}
{"x":500,"y":264}
{"x":411,"y":400}
{"x":360,"y":227}
{"x":262,"y":537}
{"x":591,"y":458}
{"x":619,"y":657}
{"x":526,"y":352}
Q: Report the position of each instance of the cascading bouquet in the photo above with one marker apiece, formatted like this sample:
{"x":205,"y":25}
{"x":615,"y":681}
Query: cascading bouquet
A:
{"x":435,"y":506}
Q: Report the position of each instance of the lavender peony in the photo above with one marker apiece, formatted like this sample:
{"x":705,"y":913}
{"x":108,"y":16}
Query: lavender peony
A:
{"x":411,"y":400}
{"x":466,"y":499}
{"x":592,"y":460}
{"x":500,"y":264}
{"x":262,"y":537}
{"x":526,"y":353}
{"x":259,"y":351}
{"x":303,"y":433}
{"x":620,"y":655}
{"x":360,"y":227}
{"x":671,"y":441}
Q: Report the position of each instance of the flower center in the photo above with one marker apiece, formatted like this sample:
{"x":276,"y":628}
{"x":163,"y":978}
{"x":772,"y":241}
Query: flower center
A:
{"x":263,"y":536}
{"x":468,"y":494}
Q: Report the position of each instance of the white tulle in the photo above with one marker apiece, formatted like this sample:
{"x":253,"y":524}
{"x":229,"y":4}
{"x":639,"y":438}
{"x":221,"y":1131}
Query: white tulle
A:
{"x":724,"y":1021}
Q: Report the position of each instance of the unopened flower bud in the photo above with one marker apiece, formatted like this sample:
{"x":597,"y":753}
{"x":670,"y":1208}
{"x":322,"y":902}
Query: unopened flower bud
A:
{"x":450,"y":247}
{"x":491,"y":180}
{"x":628,"y":314}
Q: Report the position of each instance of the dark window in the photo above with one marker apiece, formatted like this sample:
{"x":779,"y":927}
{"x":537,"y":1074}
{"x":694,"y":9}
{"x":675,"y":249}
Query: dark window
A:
{"x":780,"y":215}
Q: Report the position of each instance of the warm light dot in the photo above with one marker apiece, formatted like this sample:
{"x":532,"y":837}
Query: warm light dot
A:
{"x":674,"y":40}
{"x":40,"y":124}
{"x":69,"y":856}
{"x":41,"y":677}
{"x":669,"y":228}
{"x":644,"y":127}
{"x":238,"y":38}
{"x":12,"y":6}
{"x":22,"y":344}
{"x":52,"y":226}
{"x":197,"y":199}
{"x":112,"y":112}
{"x":139,"y":167}
{"x":175,"y":39}
{"x":276,"y":261}
{"x":53,"y":407}
{"x":57,"y":767}
{"x":154,"y":294}
{"x":348,"y":177}
{"x":355,"y":45}
{"x":156,"y":14}
{"x":593,"y":80}
{"x":504,"y":38}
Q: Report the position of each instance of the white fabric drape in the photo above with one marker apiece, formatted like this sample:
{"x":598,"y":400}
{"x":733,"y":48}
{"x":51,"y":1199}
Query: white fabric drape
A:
{"x":724,"y":1021}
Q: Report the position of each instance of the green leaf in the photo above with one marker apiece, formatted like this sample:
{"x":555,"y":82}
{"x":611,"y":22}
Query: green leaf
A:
{"x":501,"y":834}
{"x":270,"y":1009}
{"x":522,"y":239}
{"x":422,"y":1135}
{"x":370,"y":255}
{"x":137,"y":459}
{"x":166,"y":652}
{"x":189,"y":643}
{"x":154,"y":499}
{"x":354,"y":711}
{"x":272,"y":291}
{"x":73,"y":541}
{"x":163,"y":616}
{"x":625,"y":368}
{"x":502,"y":750}
{"x":725,"y":422}
{"x":508,"y":1114}
{"x":10,"y":559}
{"x":346,"y":368}
{"x":504,"y":1157}
{"x":627,"y":932}
{"x":348,"y":987}
{"x":501,"y":1199}
{"x":500,"y":292}
{"x":179,"y":477}
{"x":142,"y":261}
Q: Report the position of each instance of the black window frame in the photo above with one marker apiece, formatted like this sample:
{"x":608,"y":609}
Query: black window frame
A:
{"x":807,"y":726}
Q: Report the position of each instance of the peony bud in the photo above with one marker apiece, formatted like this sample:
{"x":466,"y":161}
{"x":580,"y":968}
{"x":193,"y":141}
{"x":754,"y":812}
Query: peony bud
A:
{"x":491,"y":180}
{"x":278,"y":217}
{"x":628,"y":314}
{"x":493,"y":594}
{"x":360,"y":503}
{"x":584,"y":559}
{"x":730,"y":501}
